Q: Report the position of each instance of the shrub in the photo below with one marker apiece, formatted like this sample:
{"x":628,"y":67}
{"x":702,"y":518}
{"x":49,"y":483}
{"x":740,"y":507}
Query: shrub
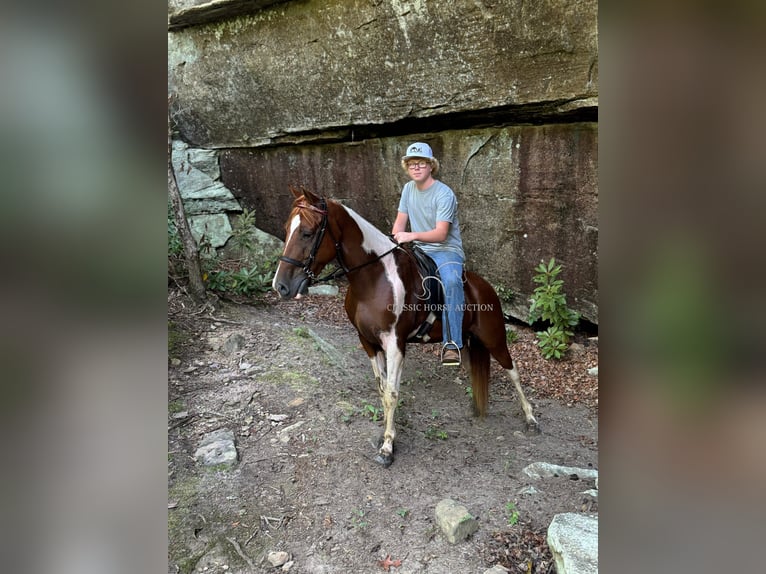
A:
{"x":549,"y":303}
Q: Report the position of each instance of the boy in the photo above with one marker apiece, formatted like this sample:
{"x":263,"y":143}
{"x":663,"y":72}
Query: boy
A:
{"x":430,"y":207}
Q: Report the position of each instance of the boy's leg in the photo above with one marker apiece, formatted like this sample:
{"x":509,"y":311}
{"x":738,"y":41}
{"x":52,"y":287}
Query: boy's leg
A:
{"x":450,"y":267}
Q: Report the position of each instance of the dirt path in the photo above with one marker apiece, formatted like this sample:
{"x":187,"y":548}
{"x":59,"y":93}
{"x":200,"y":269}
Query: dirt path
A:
{"x":306,"y":483}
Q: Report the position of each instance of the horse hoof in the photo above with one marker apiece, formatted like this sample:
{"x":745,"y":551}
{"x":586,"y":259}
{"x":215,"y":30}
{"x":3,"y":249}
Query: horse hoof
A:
{"x":384,"y":460}
{"x":533,"y":428}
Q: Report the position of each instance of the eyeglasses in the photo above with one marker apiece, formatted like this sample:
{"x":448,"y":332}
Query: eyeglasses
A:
{"x":414,"y":164}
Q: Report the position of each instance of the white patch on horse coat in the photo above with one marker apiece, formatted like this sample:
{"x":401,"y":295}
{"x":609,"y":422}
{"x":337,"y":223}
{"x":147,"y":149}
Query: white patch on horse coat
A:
{"x":373,"y":241}
{"x":293,"y":226}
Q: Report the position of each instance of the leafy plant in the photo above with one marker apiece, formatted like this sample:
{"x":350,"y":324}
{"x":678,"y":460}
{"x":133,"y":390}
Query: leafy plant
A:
{"x":513,"y":513}
{"x":549,"y":303}
{"x":372,"y":411}
{"x":242,"y":231}
{"x":433,"y":433}
{"x":357,"y":519}
{"x":175,"y":246}
{"x":245,"y":281}
{"x":553,"y":342}
{"x":506,"y":295}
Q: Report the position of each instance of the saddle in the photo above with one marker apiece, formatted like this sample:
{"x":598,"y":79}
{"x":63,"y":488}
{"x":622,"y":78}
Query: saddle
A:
{"x":430,"y":293}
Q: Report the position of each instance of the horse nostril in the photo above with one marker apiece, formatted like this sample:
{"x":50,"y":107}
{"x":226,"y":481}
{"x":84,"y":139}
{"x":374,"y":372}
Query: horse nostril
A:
{"x":283,"y":289}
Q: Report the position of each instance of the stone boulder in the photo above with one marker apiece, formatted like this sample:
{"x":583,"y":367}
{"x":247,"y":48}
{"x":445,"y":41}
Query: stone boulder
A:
{"x":456,"y":522}
{"x":573,"y":540}
{"x":217,"y":448}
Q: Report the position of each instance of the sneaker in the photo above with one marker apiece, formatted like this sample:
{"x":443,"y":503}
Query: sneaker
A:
{"x":451,"y":357}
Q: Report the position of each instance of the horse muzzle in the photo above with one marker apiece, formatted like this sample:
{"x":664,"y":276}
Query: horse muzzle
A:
{"x":294,"y":288}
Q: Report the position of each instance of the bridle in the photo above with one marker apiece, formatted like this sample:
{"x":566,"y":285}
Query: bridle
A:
{"x":306,"y":264}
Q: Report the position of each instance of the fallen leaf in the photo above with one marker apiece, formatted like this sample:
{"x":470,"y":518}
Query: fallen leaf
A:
{"x":387,"y":563}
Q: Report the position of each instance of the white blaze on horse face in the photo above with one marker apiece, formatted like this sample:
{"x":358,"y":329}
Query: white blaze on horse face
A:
{"x":375,"y":242}
{"x":293,"y":226}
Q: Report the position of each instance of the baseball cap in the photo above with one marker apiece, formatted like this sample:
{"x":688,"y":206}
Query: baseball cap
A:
{"x":419,"y":149}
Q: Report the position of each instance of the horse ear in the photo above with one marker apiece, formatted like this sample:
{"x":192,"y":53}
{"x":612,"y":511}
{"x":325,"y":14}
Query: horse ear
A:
{"x":311,"y":198}
{"x":296,"y":192}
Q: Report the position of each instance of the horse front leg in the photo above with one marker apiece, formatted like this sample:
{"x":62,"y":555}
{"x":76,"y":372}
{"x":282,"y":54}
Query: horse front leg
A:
{"x":389,"y":396}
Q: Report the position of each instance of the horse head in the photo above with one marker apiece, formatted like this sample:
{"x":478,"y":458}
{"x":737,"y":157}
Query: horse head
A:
{"x":307,"y":247}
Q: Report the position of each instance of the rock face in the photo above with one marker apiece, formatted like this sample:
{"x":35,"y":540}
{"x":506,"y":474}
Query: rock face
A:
{"x":525,"y":193}
{"x":206,"y":200}
{"x":293,"y":68}
{"x":328,"y":94}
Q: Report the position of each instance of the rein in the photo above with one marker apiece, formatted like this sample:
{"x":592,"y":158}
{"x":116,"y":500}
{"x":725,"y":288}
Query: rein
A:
{"x":343,"y":270}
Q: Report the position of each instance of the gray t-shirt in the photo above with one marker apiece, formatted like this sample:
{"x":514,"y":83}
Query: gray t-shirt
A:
{"x":425,"y":208}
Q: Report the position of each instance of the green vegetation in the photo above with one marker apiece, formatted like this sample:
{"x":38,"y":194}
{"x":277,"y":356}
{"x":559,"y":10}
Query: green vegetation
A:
{"x":357,"y":519}
{"x":434,"y":433}
{"x":375,"y":413}
{"x":302,"y":332}
{"x":175,"y":246}
{"x":513,"y":513}
{"x":250,"y":274}
{"x":243,"y":281}
{"x":505,"y":294}
{"x":549,"y":304}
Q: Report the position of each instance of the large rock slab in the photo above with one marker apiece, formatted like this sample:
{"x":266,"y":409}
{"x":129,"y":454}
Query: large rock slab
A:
{"x":547,"y":470}
{"x":182,"y":13}
{"x":319,"y":69}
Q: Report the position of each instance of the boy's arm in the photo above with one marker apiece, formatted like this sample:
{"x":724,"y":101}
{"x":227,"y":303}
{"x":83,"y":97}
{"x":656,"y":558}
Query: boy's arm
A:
{"x":400,"y":224}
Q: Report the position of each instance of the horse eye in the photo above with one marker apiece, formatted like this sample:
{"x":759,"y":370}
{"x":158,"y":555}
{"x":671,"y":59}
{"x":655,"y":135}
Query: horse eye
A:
{"x":306,"y":234}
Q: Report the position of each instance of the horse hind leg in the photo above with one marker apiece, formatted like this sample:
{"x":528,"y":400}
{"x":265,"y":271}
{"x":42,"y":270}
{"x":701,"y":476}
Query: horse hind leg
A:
{"x":499,"y":351}
{"x":532,"y":424}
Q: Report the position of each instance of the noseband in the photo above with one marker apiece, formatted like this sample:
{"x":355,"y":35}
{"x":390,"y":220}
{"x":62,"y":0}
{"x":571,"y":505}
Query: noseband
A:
{"x":309,"y":261}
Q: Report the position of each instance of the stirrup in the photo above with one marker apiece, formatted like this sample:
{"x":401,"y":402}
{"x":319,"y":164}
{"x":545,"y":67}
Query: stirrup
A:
{"x":451,"y":346}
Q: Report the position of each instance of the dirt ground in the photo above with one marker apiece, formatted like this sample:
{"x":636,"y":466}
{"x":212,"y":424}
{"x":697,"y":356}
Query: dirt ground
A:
{"x":315,"y":492}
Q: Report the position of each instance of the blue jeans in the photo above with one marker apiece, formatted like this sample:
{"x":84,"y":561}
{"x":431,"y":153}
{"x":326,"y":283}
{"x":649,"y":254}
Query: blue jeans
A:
{"x":450,"y":266}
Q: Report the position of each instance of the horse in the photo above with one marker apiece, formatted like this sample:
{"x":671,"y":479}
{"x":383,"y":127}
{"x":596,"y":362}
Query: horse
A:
{"x":384,"y":302}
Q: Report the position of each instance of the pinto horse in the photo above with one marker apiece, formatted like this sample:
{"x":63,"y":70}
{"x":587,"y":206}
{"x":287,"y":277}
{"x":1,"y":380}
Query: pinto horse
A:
{"x":384,"y":301}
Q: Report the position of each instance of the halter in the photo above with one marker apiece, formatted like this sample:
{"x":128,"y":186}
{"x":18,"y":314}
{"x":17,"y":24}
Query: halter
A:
{"x":309,"y":261}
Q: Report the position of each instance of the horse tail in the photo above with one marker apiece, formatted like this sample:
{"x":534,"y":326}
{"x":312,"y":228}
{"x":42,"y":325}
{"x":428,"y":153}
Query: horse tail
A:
{"x":479,"y":359}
